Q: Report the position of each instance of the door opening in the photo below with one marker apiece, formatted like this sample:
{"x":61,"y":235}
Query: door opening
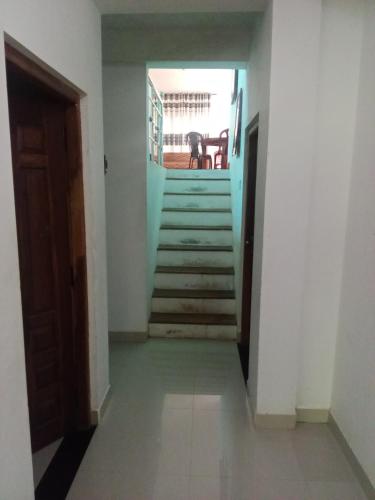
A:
{"x":248,"y":241}
{"x":48,"y":188}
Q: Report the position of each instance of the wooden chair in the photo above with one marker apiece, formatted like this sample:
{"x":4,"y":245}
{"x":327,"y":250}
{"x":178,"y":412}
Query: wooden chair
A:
{"x":221,"y":155}
{"x":196,"y":153}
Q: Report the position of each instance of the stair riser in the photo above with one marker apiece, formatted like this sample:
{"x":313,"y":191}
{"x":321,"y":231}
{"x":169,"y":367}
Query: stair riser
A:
{"x":183,"y":305}
{"x":186,"y":201}
{"x":225,"y":332}
{"x":196,"y":186}
{"x":195,"y":237}
{"x":194,"y":281}
{"x":197,"y":218}
{"x":196,"y":174}
{"x":194,"y":258}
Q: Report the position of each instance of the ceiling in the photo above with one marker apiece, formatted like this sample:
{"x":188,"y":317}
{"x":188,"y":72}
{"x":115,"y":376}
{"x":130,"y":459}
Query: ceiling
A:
{"x":178,"y":6}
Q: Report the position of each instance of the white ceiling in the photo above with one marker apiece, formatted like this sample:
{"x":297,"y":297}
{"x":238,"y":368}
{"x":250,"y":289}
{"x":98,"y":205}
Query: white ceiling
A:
{"x":178,"y":6}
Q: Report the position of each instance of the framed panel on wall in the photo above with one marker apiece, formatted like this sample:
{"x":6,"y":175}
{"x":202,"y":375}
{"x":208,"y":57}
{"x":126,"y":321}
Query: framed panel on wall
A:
{"x":235,"y":86}
{"x":237,"y":126}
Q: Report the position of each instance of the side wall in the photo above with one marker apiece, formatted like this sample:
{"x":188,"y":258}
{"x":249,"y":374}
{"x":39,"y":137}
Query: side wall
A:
{"x":340,"y":44}
{"x":353,"y":404}
{"x":293,"y":94}
{"x":71,"y":46}
{"x":155,"y":192}
{"x":236,"y":177}
{"x":126,"y":188}
{"x":259,"y":74}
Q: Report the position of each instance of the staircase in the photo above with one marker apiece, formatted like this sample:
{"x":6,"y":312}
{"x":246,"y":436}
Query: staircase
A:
{"x":193,"y":293}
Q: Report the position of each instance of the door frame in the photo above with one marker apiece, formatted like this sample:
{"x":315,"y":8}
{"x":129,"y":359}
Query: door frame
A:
{"x":76,"y":218}
{"x":250,"y":129}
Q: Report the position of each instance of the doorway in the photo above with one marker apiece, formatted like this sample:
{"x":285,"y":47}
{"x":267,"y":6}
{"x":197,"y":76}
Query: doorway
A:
{"x":248,"y":241}
{"x":48,"y":189}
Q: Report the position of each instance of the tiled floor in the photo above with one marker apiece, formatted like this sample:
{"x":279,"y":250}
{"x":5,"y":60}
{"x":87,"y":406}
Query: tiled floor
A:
{"x":178,"y":428}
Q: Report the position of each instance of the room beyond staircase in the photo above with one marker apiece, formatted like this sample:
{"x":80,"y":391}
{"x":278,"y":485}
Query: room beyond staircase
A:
{"x":193,"y":293}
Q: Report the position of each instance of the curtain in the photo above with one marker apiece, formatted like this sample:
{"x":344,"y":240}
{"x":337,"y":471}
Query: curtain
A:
{"x":184,"y":113}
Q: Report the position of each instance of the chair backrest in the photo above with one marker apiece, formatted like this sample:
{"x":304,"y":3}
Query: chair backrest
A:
{"x":224,"y":133}
{"x":195,"y":143}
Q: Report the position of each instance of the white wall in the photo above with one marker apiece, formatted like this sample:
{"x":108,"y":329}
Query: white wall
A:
{"x":65,"y":36}
{"x":293,"y":95}
{"x":138,"y":45}
{"x":126,"y":188}
{"x":183,"y":6}
{"x":236,"y":177}
{"x":340,"y":45}
{"x":353,"y":404}
{"x":259,"y":73}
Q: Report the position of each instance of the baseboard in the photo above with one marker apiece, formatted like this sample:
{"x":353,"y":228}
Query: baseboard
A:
{"x":128,"y":336}
{"x":271,"y":421}
{"x":360,"y":473}
{"x":312,"y":415}
{"x":98,"y":414}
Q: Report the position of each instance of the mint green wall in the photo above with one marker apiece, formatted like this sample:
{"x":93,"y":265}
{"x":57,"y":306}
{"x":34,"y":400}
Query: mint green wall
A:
{"x":236,"y":175}
{"x":155,"y":189}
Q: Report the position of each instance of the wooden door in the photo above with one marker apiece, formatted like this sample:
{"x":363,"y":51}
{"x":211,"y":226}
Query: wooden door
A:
{"x":248,"y":251}
{"x":41,"y":185}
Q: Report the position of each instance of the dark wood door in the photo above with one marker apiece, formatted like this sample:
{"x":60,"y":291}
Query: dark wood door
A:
{"x":248,"y":253}
{"x":41,"y":196}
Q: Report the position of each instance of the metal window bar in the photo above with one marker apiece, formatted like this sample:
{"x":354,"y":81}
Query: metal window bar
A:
{"x":155,"y":129}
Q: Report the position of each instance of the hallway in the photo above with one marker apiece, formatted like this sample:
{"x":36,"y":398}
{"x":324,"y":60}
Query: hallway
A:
{"x":178,"y":427}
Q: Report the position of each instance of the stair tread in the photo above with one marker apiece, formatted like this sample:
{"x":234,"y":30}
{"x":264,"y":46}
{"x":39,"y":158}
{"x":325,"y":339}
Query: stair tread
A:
{"x":194,"y":193}
{"x":193,"y":318}
{"x":196,"y":227}
{"x":193,"y":294}
{"x":195,"y":270}
{"x":213,"y":210}
{"x":226,"y":179}
{"x":198,"y":248}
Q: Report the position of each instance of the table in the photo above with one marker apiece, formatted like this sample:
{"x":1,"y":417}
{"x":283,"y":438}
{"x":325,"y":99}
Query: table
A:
{"x":221,"y":143}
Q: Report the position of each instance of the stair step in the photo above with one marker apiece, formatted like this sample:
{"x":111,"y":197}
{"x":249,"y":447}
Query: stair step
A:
{"x":193,"y":294}
{"x":195,"y":227}
{"x":200,"y":248}
{"x":195,"y":270}
{"x":196,"y":179}
{"x":187,"y":193}
{"x":182,"y":209}
{"x":193,"y":319}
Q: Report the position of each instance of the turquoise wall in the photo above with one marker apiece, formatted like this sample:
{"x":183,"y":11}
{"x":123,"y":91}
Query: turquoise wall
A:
{"x":236,"y":175}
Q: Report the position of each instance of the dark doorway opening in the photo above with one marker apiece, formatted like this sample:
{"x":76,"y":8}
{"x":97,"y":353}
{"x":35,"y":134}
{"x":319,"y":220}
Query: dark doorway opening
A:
{"x":248,"y":239}
{"x":48,"y":188}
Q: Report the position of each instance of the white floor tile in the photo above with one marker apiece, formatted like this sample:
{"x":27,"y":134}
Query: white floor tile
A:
{"x":171,"y":488}
{"x":334,"y":490}
{"x":178,"y":427}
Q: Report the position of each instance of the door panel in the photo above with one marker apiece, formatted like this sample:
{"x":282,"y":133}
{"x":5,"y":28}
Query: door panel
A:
{"x":249,"y":226}
{"x":41,"y":187}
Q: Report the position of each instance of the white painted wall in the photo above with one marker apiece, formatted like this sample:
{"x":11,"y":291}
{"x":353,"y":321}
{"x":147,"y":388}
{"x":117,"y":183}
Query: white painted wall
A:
{"x":182,"y":6}
{"x":353,"y":402}
{"x":138,"y":45}
{"x":126,"y":194}
{"x":259,"y":74}
{"x":65,"y":36}
{"x":340,"y":44}
{"x":293,"y":96}
{"x":236,"y":178}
